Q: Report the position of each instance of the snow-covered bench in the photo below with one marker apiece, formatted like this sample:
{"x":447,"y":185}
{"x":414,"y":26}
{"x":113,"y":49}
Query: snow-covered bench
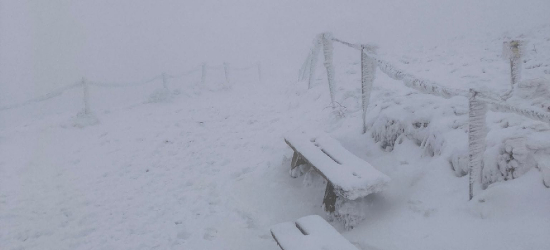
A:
{"x":309,"y":233}
{"x":348,"y":177}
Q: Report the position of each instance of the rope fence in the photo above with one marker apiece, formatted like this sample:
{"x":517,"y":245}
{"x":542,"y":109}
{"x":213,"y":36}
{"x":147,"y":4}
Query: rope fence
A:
{"x":479,"y":102}
{"x":85,"y":84}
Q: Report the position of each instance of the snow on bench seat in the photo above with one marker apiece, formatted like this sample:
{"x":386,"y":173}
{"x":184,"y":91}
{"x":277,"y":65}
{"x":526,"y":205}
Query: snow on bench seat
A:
{"x":351,"y":176}
{"x":309,"y":233}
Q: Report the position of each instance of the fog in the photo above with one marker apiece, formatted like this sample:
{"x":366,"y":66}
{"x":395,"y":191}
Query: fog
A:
{"x":49,"y":44}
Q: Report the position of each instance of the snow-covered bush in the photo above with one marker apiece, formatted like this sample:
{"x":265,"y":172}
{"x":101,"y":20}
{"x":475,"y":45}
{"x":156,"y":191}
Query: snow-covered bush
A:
{"x":84,"y":119}
{"x":160,"y":95}
{"x":440,"y":127}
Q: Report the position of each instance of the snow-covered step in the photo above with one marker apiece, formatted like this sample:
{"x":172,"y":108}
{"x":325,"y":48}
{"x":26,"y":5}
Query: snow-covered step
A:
{"x":348,"y":176}
{"x":309,"y":233}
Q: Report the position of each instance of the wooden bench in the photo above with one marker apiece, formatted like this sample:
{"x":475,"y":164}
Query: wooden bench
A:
{"x":312,"y":233}
{"x":348,"y":177}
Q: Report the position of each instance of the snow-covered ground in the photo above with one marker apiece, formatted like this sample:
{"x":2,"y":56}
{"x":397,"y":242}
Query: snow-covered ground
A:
{"x":209,"y":168}
{"x":206,"y":167}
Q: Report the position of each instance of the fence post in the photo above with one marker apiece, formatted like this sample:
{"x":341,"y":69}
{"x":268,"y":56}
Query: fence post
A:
{"x":203,"y":76}
{"x":515,"y":62}
{"x":313,"y":62}
{"x":259,"y":64}
{"x":476,"y":140}
{"x":86,"y":96}
{"x":328,"y":52}
{"x":368,"y":71}
{"x":164,"y":81}
{"x":304,"y":70}
{"x":226,"y":71}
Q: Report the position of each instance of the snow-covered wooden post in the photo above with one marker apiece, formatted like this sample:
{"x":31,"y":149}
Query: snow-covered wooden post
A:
{"x":476,"y":140}
{"x":512,"y":52}
{"x":259,"y":65}
{"x":328,"y":50}
{"x":304,"y":70}
{"x":313,"y":62}
{"x":368,"y":71}
{"x":86,"y":95}
{"x":164,"y":81}
{"x":203,"y":75}
{"x":226,"y":71}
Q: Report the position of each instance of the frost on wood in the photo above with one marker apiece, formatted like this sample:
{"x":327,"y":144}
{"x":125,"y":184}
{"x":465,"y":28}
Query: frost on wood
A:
{"x":476,"y":140}
{"x":352,"y":177}
{"x":313,"y":59}
{"x":328,"y":51}
{"x":368,"y":71}
{"x":513,"y":50}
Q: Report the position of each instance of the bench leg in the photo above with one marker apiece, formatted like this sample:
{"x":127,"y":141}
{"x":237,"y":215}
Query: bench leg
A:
{"x":333,"y":204}
{"x":296,"y":162}
{"x":329,"y":202}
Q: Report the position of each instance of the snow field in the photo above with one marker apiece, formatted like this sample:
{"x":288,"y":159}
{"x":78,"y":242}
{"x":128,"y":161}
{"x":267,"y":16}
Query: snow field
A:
{"x":209,"y":168}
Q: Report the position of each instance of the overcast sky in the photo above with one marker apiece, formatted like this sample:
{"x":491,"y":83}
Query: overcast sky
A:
{"x":48,"y":44}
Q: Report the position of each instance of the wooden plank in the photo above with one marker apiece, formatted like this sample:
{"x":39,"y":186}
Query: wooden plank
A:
{"x":310,"y":232}
{"x":351,"y":177}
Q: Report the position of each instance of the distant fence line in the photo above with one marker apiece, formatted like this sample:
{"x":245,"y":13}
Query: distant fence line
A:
{"x":84,"y":84}
{"x":478,"y":101}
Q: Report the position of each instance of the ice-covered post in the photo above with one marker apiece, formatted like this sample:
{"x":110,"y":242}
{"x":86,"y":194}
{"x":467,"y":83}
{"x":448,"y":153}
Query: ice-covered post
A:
{"x":304,"y":69}
{"x":203,"y":76}
{"x":86,"y":95}
{"x":259,"y":65}
{"x":476,"y":140}
{"x":328,"y":53}
{"x":313,"y":62}
{"x":226,"y":71}
{"x":512,"y":52}
{"x":368,"y":71}
{"x":164,"y":81}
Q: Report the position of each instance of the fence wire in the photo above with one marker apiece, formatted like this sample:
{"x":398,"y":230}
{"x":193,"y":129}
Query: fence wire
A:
{"x":430,"y":87}
{"x":42,"y":98}
{"x":60,"y":91}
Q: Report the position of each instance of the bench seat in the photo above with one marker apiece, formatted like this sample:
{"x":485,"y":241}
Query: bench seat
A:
{"x":351,"y":176}
{"x":309,"y":233}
